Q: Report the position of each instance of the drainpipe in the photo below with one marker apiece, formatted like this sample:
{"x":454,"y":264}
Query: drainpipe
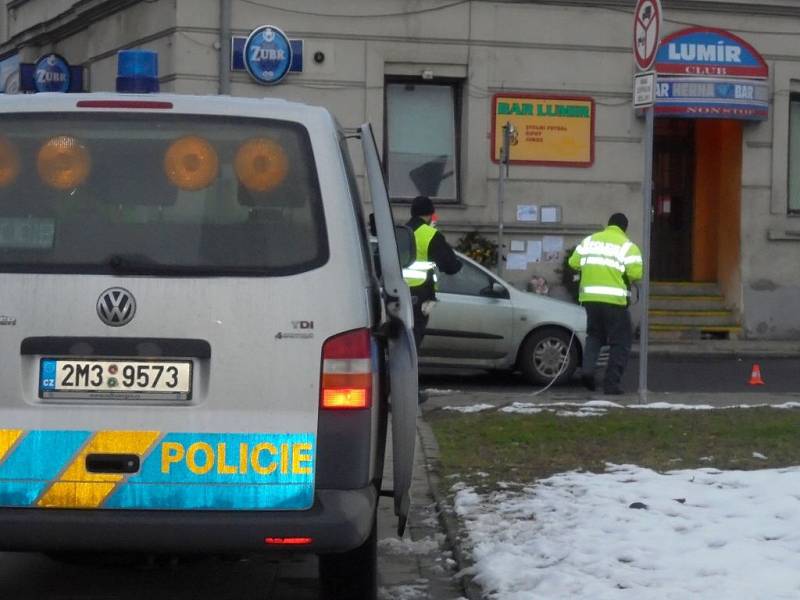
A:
{"x":225,"y":47}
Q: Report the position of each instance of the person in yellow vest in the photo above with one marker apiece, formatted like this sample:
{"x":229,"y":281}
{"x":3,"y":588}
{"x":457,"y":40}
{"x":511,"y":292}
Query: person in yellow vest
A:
{"x":433,"y":252}
{"x":608,"y":262}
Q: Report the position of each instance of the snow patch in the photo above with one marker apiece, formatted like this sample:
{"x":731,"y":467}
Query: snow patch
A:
{"x":470,"y":408}
{"x":704,"y":533}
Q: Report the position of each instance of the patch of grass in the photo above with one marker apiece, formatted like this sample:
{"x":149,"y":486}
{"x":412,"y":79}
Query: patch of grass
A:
{"x":522,"y":448}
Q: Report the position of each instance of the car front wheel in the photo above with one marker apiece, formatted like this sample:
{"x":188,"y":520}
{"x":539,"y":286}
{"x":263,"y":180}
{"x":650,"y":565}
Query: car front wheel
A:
{"x":547,"y":354}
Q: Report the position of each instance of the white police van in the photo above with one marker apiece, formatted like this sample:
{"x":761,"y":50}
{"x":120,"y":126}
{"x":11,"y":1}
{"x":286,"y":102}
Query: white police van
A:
{"x":198,"y":352}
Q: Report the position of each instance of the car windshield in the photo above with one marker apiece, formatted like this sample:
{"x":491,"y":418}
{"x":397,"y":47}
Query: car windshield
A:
{"x":163,"y":194}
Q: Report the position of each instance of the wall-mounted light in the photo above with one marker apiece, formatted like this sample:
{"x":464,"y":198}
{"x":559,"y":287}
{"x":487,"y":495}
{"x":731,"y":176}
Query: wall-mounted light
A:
{"x":427,"y":74}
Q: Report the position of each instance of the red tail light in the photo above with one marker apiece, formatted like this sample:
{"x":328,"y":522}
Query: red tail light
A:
{"x":347,"y":371}
{"x":288,"y":541}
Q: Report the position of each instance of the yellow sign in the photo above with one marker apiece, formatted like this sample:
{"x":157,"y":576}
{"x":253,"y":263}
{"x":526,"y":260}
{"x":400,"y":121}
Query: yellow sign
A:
{"x":551,"y":130}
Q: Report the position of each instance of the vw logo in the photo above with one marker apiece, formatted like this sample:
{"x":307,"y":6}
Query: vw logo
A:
{"x":116,"y":307}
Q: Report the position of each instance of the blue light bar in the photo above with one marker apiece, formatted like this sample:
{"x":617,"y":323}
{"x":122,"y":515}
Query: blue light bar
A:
{"x":137,"y":71}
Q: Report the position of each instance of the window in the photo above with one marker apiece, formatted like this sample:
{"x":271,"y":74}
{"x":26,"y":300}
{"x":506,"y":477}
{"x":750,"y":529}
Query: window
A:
{"x":794,"y":155}
{"x":158,"y":194}
{"x":421,"y":140}
{"x":469,"y":281}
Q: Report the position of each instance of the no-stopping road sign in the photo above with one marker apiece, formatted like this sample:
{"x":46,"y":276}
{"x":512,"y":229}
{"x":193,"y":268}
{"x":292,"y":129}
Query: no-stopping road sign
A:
{"x":646,"y":32}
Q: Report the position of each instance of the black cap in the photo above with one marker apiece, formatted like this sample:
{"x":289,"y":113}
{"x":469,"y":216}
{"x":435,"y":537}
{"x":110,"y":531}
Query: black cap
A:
{"x":619,"y":220}
{"x":422,"y":206}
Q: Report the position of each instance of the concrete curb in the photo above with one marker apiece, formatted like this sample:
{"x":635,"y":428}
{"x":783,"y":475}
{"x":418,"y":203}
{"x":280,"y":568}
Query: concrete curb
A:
{"x":445,"y":510}
{"x":726,"y":349}
{"x":696,"y":353}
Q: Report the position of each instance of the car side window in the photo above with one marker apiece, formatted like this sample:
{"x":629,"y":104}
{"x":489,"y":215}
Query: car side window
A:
{"x":469,"y":281}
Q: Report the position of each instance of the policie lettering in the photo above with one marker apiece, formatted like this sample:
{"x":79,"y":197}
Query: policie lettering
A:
{"x":263,"y":458}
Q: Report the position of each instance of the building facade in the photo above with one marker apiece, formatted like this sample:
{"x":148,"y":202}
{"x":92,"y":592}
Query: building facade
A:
{"x":441,"y":80}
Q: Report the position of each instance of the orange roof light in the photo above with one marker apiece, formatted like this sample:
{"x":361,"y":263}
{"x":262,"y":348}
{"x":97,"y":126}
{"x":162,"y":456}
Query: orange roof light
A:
{"x":9,"y":162}
{"x":63,"y":162}
{"x":261,"y":164}
{"x":191,"y":163}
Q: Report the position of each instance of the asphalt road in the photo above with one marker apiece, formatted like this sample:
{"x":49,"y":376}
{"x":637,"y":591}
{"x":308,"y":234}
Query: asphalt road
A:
{"x":665,"y":374}
{"x":417,"y":566}
{"x":37,"y":577}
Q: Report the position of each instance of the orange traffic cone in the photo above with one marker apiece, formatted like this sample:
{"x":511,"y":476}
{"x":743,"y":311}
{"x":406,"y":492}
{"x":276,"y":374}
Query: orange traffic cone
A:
{"x":755,"y":375}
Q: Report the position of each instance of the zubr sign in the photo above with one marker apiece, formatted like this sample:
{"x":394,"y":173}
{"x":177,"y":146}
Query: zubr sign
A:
{"x":711,"y":74}
{"x":51,"y":73}
{"x":709,"y":52}
{"x":552,"y":130}
{"x":267,"y":54}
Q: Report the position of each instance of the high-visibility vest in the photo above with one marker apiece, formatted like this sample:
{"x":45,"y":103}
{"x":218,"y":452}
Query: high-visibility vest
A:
{"x":605,"y":260}
{"x":417,"y":273}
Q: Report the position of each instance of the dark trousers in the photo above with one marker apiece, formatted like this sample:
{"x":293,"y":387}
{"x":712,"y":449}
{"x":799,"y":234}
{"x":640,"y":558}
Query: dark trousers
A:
{"x":420,"y":322}
{"x":607,"y":324}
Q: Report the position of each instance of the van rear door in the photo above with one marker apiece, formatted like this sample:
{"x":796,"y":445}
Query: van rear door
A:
{"x":402,"y":350}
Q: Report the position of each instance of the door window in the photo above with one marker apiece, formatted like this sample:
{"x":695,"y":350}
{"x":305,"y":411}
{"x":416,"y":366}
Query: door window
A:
{"x":469,"y":281}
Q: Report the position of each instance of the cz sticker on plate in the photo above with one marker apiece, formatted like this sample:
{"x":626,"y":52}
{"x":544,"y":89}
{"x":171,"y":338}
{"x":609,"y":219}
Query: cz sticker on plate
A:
{"x":152,"y":380}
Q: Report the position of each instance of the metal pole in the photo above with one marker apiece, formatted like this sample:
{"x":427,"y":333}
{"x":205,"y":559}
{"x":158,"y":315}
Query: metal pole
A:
{"x":501,"y":189}
{"x":225,"y":47}
{"x":647,"y":205}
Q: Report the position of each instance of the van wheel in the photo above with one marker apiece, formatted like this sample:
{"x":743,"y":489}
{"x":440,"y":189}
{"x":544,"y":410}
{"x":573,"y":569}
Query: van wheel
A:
{"x":351,"y":575}
{"x":543,"y":354}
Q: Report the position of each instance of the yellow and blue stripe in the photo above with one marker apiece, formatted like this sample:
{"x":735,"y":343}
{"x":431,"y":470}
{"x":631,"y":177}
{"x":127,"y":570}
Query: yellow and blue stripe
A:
{"x":178,"y":471}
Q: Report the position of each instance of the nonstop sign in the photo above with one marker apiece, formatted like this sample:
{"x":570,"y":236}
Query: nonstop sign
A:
{"x":712,"y":74}
{"x":552,"y":130}
{"x":709,"y":52}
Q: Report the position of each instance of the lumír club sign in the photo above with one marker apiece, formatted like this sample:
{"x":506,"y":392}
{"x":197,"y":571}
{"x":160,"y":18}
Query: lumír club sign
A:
{"x":711,"y":73}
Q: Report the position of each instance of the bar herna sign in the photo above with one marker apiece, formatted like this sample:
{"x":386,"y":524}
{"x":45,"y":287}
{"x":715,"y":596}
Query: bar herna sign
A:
{"x":719,"y":57}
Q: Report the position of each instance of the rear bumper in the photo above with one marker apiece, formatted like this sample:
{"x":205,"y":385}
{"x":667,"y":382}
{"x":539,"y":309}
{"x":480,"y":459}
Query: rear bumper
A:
{"x":338,"y":521}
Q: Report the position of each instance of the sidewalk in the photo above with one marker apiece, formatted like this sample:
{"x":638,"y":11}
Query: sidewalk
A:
{"x":744,"y":348}
{"x":420,"y":565}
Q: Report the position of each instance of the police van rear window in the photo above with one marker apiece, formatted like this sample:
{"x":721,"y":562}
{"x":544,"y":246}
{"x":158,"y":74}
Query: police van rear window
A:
{"x":158,"y":195}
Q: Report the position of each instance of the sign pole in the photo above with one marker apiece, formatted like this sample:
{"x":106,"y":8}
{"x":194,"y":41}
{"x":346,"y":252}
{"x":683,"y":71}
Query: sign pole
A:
{"x":501,"y":189}
{"x":647,"y":20}
{"x":647,"y":203}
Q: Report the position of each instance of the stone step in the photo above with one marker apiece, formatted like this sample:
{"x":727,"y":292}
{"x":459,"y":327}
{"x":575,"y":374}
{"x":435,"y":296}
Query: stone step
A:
{"x":666,"y":302}
{"x":696,"y":318}
{"x":689,"y":332}
{"x":684,"y":288}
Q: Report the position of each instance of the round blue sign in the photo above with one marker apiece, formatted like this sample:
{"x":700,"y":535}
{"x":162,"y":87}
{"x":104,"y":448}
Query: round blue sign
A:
{"x":51,"y":74}
{"x":267,"y":54}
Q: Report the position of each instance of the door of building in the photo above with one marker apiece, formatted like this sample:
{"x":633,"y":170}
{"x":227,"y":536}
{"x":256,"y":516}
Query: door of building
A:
{"x":673,"y":187}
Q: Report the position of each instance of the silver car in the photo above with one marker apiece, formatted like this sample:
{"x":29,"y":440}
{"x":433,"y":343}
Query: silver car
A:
{"x":482,"y":321}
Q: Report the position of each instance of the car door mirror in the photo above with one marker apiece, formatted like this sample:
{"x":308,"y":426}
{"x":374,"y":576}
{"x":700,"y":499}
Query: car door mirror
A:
{"x":495,"y":290}
{"x":406,"y":245}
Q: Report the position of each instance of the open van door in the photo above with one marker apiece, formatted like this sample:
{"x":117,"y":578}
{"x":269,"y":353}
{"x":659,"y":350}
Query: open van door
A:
{"x":402,"y":350}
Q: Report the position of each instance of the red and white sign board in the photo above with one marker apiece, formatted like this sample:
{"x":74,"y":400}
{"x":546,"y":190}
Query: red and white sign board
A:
{"x":646,"y":32}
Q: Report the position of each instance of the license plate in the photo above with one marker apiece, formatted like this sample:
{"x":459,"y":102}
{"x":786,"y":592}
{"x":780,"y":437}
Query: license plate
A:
{"x":64,"y":378}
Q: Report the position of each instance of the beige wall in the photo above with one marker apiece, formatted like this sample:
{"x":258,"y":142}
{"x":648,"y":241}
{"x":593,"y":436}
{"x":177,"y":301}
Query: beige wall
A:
{"x":569,"y":47}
